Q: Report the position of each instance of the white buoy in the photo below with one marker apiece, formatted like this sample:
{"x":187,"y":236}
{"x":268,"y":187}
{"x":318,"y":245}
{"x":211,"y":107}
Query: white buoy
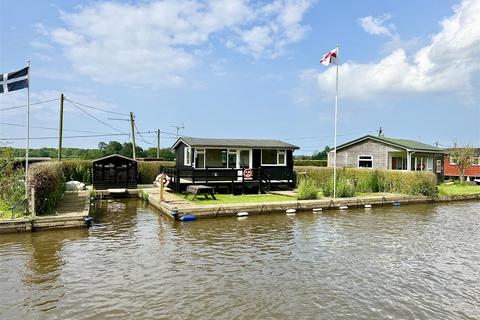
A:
{"x":368,"y":206}
{"x":343,"y":208}
{"x":242,"y":214}
{"x":291,"y":211}
{"x":317,"y":210}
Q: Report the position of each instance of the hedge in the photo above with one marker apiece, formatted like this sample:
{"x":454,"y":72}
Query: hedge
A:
{"x":149,"y":170}
{"x":312,"y":163}
{"x":352,"y":180}
{"x":46,"y":181}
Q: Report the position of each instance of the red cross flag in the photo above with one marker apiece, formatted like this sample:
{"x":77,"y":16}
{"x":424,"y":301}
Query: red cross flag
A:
{"x":329,"y":57}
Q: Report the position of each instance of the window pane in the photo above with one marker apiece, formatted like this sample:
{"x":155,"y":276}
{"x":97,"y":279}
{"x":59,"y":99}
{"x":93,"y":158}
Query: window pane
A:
{"x":244,"y":159}
{"x":200,"y":161}
{"x":269,"y":156}
{"x":365,"y":163}
{"x":281,"y":158}
{"x":216,"y":158}
{"x":232,"y":160}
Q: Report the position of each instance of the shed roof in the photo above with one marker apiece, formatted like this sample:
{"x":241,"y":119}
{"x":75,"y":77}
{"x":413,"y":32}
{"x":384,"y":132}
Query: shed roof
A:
{"x":401,"y":143}
{"x":235,"y":143}
{"x":114,"y":156}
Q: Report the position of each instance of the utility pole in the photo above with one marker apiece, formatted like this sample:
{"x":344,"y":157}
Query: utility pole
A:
{"x":132,"y":125}
{"x":60,"y":129}
{"x":158,"y":143}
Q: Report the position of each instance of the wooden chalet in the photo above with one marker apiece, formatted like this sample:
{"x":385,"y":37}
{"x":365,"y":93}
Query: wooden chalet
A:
{"x":232,"y":165}
{"x":114,"y":172}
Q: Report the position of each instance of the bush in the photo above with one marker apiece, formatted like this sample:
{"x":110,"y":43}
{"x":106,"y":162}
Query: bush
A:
{"x":78,"y":170}
{"x":46,"y":179}
{"x":312,"y":163}
{"x":12,"y":187}
{"x":149,"y":170}
{"x":352,"y":180}
{"x":307,"y":190}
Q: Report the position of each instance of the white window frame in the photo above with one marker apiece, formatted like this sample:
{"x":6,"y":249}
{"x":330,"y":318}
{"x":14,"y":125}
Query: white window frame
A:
{"x":187,"y":156}
{"x":364,"y":155}
{"x":273,"y":165}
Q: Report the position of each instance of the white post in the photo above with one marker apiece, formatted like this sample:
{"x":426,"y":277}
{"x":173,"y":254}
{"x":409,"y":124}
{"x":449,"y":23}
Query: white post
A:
{"x":335,"y":134}
{"x":28,"y":134}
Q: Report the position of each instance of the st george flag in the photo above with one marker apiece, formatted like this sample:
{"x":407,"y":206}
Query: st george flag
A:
{"x":14,"y":80}
{"x":329,"y":57}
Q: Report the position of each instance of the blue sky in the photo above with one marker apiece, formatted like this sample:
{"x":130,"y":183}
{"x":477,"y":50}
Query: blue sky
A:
{"x":247,"y":69}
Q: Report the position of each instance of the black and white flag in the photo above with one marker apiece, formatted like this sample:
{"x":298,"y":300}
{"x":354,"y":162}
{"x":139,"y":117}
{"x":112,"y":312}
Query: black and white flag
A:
{"x":14,"y":80}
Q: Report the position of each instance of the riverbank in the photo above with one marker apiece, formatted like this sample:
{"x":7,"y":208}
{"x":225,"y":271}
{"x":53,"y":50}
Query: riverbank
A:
{"x":71,"y":212}
{"x":174,"y":203}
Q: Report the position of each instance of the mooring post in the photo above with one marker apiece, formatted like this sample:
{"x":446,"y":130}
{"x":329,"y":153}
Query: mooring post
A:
{"x":31,"y":204}
{"x":161,"y":187}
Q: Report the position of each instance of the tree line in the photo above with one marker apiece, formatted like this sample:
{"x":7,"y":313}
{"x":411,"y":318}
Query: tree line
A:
{"x":104,"y":149}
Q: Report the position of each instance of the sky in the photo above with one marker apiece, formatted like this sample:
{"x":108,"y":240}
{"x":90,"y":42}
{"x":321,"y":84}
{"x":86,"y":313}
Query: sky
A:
{"x":243,"y":69}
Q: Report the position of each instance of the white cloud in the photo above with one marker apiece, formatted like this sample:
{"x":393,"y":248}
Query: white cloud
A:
{"x":156,"y":42}
{"x":448,"y":64}
{"x":375,"y":25}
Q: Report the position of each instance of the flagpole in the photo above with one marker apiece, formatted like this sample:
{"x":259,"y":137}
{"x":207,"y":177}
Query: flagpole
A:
{"x":335,"y":133}
{"x":28,"y":136}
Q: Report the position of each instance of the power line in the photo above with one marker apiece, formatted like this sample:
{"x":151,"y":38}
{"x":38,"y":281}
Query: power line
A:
{"x":97,"y":108}
{"x":141,"y":137}
{"x":93,"y":117}
{"x":48,"y":128}
{"x":25,"y":105}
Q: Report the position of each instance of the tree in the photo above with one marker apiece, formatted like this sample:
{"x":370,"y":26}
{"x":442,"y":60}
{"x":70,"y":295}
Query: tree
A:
{"x":322,"y":155}
{"x":462,"y":157}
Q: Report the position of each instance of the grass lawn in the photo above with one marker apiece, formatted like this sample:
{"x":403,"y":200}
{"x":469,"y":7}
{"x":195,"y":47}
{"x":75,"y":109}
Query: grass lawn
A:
{"x":458,"y":189}
{"x":246,"y":198}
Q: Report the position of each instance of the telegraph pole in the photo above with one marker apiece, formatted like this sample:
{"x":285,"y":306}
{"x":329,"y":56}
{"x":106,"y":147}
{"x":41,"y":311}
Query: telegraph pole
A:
{"x":158,"y":143}
{"x":60,"y":129}
{"x":132,"y":125}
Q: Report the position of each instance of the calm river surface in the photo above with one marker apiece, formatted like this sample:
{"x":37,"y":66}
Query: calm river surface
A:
{"x":412,"y":262}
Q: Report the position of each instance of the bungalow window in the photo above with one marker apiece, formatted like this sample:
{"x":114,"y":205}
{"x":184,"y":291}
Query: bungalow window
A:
{"x":232,"y":158}
{"x":281,"y":157}
{"x":200,"y":159}
{"x":273,"y":157}
{"x":187,"y":153}
{"x":365,"y":161}
{"x":216,"y":158}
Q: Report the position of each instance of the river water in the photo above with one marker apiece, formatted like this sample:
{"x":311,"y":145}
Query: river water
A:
{"x":412,"y":262}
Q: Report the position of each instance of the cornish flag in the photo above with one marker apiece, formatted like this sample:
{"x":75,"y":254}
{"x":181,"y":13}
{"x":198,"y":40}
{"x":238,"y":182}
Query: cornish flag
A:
{"x":329,"y":57}
{"x":14,"y":80}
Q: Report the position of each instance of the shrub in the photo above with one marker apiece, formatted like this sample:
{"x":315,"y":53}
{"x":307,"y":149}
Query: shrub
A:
{"x":352,"y":180}
{"x":46,"y":180}
{"x":149,"y":170}
{"x":307,"y":190}
{"x":78,"y":170}
{"x":312,"y":163}
{"x":12,"y":187}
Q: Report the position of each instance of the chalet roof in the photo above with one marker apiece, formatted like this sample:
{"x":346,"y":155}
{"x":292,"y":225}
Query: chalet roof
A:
{"x":114,"y":156}
{"x":400,"y":143}
{"x":235,"y":143}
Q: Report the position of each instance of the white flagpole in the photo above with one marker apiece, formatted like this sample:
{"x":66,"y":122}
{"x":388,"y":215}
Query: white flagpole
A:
{"x":28,"y":136}
{"x":335,"y":134}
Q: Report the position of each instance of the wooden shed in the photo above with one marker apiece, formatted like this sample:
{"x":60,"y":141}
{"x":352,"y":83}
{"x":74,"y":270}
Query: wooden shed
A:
{"x":114,"y":172}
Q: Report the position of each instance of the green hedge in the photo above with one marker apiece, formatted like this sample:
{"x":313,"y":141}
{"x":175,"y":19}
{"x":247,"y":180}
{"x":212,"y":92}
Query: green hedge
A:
{"x":311,"y":163}
{"x":78,"y":170}
{"x":82,"y":170}
{"x":46,"y":180}
{"x":149,"y":170}
{"x":351,"y":181}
